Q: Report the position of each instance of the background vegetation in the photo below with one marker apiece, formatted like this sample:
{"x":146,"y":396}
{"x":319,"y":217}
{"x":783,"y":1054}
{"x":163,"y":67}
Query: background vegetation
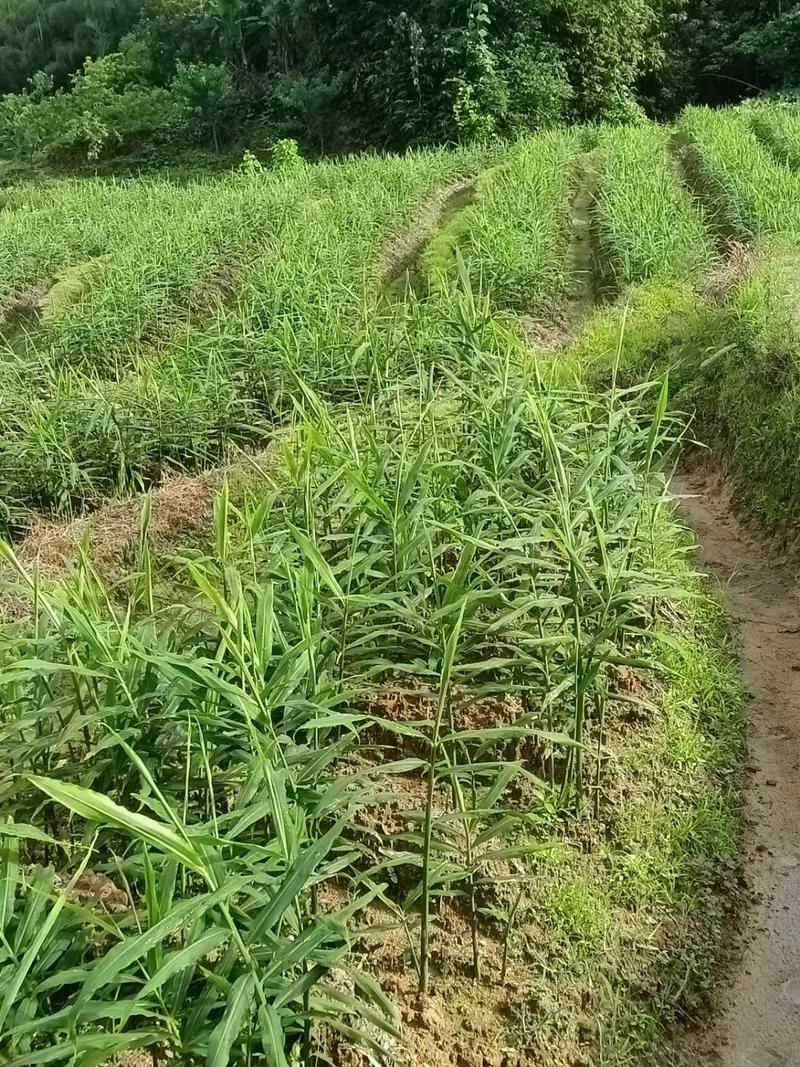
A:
{"x":87,"y":78}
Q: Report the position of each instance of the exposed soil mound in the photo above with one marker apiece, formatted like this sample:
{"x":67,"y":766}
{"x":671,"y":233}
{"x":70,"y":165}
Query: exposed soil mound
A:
{"x":24,"y":304}
{"x":181,"y":509}
{"x":735,"y":267}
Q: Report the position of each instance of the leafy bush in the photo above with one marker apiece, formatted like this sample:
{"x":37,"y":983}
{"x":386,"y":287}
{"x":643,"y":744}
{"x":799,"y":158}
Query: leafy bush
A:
{"x":306,"y":107}
{"x":111,"y":107}
{"x":285,"y":156}
{"x":204,"y":99}
{"x":106,"y":108}
{"x":250,"y":167}
{"x":718,"y":51}
{"x":336,"y":74}
{"x":542,"y":91}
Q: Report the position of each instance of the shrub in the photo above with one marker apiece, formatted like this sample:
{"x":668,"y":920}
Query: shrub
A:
{"x":285,"y":156}
{"x":204,"y":99}
{"x":107,"y":107}
{"x":111,"y":107}
{"x":304,"y":107}
{"x":250,"y":167}
{"x":542,"y":93}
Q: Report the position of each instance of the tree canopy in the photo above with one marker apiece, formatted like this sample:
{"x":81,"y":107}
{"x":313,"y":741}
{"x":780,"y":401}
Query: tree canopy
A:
{"x":388,"y":73}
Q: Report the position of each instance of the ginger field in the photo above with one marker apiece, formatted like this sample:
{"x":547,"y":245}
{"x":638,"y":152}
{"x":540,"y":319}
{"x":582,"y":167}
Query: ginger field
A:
{"x":360,"y":700}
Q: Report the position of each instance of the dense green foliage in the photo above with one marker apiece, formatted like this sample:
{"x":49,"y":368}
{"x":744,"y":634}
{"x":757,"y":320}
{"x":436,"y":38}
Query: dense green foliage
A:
{"x":749,"y":195}
{"x":744,"y":366}
{"x":512,"y":237}
{"x":645,"y":224}
{"x":170,"y":314}
{"x":338,"y":74}
{"x":723,"y":50}
{"x":733,"y":348}
{"x":341,"y":73}
{"x":779,"y":129}
{"x":54,"y":37}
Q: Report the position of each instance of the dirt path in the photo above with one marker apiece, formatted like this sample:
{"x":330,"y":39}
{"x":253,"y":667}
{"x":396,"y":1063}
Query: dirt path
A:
{"x":755,"y":1021}
{"x":581,"y":255}
{"x":399,"y":259}
{"x":549,"y":335}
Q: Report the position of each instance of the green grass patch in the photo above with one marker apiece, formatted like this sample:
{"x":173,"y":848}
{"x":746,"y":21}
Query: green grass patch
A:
{"x":513,"y":237}
{"x":635,"y":335}
{"x":213,"y":743}
{"x":753,"y":195}
{"x":163,"y":361}
{"x":778,"y":127}
{"x":646,"y":224}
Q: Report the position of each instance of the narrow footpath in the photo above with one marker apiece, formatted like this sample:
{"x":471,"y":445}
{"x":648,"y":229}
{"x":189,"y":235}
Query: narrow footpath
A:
{"x":755,"y":1018}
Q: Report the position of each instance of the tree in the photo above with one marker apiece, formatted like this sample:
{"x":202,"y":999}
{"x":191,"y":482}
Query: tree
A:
{"x":718,"y":51}
{"x":56,"y":36}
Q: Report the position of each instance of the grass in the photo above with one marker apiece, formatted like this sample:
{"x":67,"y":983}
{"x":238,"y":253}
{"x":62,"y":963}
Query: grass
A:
{"x":345,"y":609}
{"x":611,"y":908}
{"x":176,"y":256}
{"x":439,"y":703}
{"x":513,"y":236}
{"x":186,"y":736}
{"x":741,"y":368}
{"x":118,"y":412}
{"x":645,"y":221}
{"x":750,"y":194}
{"x":636,"y":336}
{"x":778,"y":127}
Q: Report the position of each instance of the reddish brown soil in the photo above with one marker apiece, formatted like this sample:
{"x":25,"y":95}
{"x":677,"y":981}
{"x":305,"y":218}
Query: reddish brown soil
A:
{"x":755,"y":1018}
{"x":468,"y":1021}
{"x":181,"y":510}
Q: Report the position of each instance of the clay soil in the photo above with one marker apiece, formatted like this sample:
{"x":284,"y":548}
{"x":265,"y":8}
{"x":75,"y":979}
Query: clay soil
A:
{"x":754,"y":1019}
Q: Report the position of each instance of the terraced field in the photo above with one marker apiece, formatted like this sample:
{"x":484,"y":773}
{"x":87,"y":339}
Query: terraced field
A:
{"x":361,"y":699}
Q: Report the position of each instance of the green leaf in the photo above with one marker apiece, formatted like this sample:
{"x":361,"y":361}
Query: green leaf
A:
{"x":29,"y":959}
{"x":272,"y":1037}
{"x":317,"y":561}
{"x":230,"y":1026}
{"x":9,"y":853}
{"x":90,"y":1013}
{"x":295,"y":879}
{"x":178,"y":961}
{"x":369,"y":988}
{"x":86,"y":1050}
{"x":212,"y":595}
{"x":122,"y":955}
{"x":29,"y":833}
{"x":355,"y":1006}
{"x":100,"y":809}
